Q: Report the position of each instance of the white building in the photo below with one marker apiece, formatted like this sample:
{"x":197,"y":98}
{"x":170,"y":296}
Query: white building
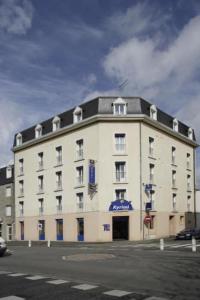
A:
{"x":111,"y":168}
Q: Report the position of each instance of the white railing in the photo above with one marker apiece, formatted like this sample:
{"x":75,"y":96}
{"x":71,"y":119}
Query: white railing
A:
{"x":79,"y":154}
{"x":79,"y":180}
{"x":59,"y":160}
{"x":59,"y":208}
{"x":59,"y":185}
{"x":120,"y":147}
{"x":120,"y":176}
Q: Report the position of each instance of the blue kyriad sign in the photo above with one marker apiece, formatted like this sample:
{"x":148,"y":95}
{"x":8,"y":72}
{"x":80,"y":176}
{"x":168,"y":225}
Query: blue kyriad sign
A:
{"x":91,"y":171}
{"x":120,"y":205}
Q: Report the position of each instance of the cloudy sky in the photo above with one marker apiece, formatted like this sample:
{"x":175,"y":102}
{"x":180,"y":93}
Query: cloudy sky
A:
{"x":56,"y":54}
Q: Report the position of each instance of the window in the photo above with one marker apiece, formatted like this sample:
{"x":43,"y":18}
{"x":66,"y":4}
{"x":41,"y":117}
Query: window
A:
{"x":79,"y":197}
{"x":56,"y":123}
{"x":120,"y":171}
{"x":173,"y":155}
{"x":188,"y":203}
{"x":189,"y":183}
{"x":153,"y":112}
{"x":79,"y":171}
{"x":40,"y":184}
{"x":8,"y":191}
{"x":79,"y":149}
{"x":19,"y":139}
{"x":77,"y":114}
{"x":21,"y":208}
{"x":40,"y":161}
{"x":175,"y":125}
{"x":151,"y":146}
{"x":188,"y":161}
{"x":9,"y":172}
{"x":190,"y":133}
{"x":120,"y":194}
{"x":59,"y":155}
{"x":59,"y":204}
{"x":59,"y":180}
{"x":173,"y":179}
{"x":120,"y":144}
{"x":151,"y":173}
{"x":38,"y":131}
{"x":119,"y":107}
{"x":8,"y":211}
{"x":21,"y":188}
{"x":21,"y":166}
{"x":174,"y":202}
{"x":41,"y":206}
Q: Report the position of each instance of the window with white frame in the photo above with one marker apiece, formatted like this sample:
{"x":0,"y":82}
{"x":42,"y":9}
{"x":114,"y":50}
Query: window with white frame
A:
{"x":59,"y":155}
{"x":41,"y":206}
{"x":59,"y":180}
{"x":151,"y":146}
{"x":119,"y":107}
{"x":151,"y":173}
{"x":188,"y":161}
{"x":173,"y":155}
{"x":175,"y":125}
{"x":40,"y":184}
{"x":8,"y":172}
{"x":59,"y":204}
{"x":79,"y":199}
{"x":120,"y":171}
{"x":18,"y":139}
{"x":153,"y":112}
{"x":56,"y":123}
{"x":188,"y":203}
{"x":77,"y":114}
{"x":190,"y":133}
{"x":21,"y":208}
{"x":173,"y":179}
{"x":79,"y":173}
{"x":174,"y":202}
{"x":120,"y":142}
{"x":21,"y":166}
{"x":38,"y":131}
{"x":40,"y":161}
{"x":189,"y":182}
{"x":21,"y":188}
{"x":8,"y":211}
{"x":120,"y":194}
{"x":79,"y":149}
{"x":8,"y":191}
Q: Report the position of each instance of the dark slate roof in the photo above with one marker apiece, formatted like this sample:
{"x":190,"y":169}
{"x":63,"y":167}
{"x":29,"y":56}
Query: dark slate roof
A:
{"x":103,"y":105}
{"x":3,"y":179}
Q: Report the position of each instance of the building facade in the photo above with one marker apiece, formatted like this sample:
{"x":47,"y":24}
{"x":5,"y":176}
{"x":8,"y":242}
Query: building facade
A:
{"x":7,"y":203}
{"x":112,"y":168}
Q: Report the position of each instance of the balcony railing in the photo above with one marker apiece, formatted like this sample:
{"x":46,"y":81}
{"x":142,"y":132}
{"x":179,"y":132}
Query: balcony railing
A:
{"x":59,"y":160}
{"x":174,"y":206}
{"x":21,"y":192}
{"x":151,"y":179}
{"x":80,"y":205}
{"x":40,"y":189}
{"x":59,"y":208}
{"x":21,"y":171}
{"x":41,"y":211}
{"x":40,"y":165}
{"x":79,"y":154}
{"x":151,"y":151}
{"x":173,"y":183}
{"x":189,"y":188}
{"x":120,"y":147}
{"x":59,"y":185}
{"x":120,"y":176}
{"x":188,"y":165}
{"x":173,"y":160}
{"x":79,"y":180}
{"x":21,"y":212}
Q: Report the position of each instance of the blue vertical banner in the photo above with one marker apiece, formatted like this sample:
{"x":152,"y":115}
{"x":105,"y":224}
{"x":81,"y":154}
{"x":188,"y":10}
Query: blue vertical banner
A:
{"x":91,"y":171}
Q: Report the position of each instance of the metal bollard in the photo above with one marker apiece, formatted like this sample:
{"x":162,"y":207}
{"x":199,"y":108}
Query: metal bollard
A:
{"x":48,"y":243}
{"x":194,"y":244}
{"x":162,"y":244}
{"x":29,"y":243}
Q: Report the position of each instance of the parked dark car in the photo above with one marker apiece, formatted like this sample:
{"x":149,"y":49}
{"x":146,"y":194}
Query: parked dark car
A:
{"x":2,"y":247}
{"x":187,"y":234}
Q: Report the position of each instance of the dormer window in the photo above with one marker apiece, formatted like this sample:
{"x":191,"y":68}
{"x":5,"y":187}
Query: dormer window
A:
{"x":8,"y":172}
{"x":38,"y":131}
{"x":18,"y":139}
{"x":153,"y":112}
{"x":119,"y":107}
{"x":77,"y":114}
{"x":56,"y":123}
{"x":190,"y":133}
{"x":175,"y":125}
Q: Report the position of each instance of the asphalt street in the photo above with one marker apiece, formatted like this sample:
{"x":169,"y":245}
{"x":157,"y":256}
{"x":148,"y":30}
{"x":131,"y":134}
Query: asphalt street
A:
{"x":131,"y":270}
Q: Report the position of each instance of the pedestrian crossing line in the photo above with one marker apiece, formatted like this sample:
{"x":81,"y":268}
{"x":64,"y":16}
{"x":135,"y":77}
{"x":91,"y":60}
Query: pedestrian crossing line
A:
{"x":57,"y":281}
{"x":12,"y":298}
{"x":117,"y":293}
{"x":17,"y":274}
{"x":191,"y":246}
{"x":36,"y":277}
{"x":179,"y":246}
{"x":84,"y":287}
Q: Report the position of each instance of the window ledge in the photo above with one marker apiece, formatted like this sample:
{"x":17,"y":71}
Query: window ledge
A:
{"x":120,"y":154}
{"x":189,"y":191}
{"x":174,"y":211}
{"x":120,"y":182}
{"x":173,"y":165}
{"x":79,"y":186}
{"x":39,"y":193}
{"x":189,"y":169}
{"x":58,"y":165}
{"x":40,"y":170}
{"x":20,"y":196}
{"x":20,"y":175}
{"x":58,"y":190}
{"x":152,"y":157}
{"x":79,"y":159}
{"x":174,"y":188}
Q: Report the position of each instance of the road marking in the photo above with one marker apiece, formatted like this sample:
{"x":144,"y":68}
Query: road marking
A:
{"x":155,"y":298}
{"x":36,"y":277}
{"x":17,"y":274}
{"x":117,"y":293}
{"x":84,"y":287}
{"x":179,"y":246}
{"x":12,"y":298}
{"x":57,"y":281}
{"x":191,"y":246}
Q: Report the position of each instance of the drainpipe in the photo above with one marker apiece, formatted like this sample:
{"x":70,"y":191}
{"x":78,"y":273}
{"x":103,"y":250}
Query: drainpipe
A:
{"x":194,"y":176}
{"x":141,"y":219}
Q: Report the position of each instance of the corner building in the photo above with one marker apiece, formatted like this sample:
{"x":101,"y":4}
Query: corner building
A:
{"x":111,"y":168}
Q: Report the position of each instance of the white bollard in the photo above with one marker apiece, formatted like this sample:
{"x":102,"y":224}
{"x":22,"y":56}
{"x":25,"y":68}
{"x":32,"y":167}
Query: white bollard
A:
{"x":49,"y":244}
{"x":194,"y":244}
{"x":29,"y":243}
{"x":162,"y":244}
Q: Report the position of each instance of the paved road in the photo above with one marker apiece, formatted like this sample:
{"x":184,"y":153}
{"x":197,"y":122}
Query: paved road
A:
{"x":140,"y":269}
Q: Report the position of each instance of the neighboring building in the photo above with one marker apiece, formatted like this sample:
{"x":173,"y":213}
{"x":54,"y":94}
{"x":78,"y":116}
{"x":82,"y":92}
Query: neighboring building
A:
{"x":197,"y":208}
{"x":108,"y":169}
{"x":7,"y":204}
